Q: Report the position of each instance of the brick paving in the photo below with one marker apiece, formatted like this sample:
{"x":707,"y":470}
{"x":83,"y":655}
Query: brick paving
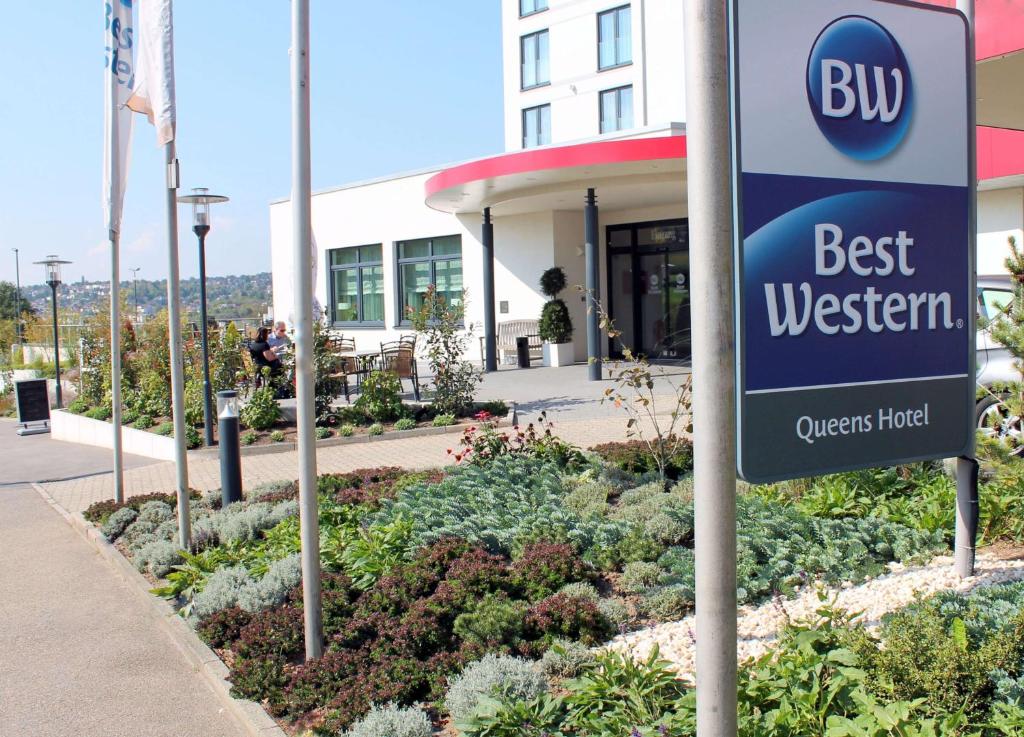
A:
{"x":413,"y":453}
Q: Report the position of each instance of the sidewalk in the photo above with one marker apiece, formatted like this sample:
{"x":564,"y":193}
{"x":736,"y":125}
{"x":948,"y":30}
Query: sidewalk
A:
{"x":82,"y":654}
{"x":429,"y":451}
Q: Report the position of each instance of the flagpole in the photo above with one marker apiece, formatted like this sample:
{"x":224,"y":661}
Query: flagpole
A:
{"x":115,"y":363}
{"x":302,"y":235}
{"x":174,"y":341}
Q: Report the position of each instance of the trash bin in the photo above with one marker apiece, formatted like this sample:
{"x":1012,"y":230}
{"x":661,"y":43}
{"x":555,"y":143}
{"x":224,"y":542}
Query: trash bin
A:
{"x":523,"y":352}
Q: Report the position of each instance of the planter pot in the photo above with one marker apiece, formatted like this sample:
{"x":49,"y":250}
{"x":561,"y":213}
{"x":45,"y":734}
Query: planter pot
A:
{"x":559,"y":354}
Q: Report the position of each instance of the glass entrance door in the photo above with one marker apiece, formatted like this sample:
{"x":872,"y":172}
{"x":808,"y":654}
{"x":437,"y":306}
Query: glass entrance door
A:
{"x":649,"y":288}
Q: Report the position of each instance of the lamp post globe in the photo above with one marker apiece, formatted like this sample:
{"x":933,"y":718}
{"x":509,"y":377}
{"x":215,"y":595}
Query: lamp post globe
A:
{"x":201,"y":199}
{"x":52,"y":266}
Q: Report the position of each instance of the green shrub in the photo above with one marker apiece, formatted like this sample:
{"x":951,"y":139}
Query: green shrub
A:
{"x":493,"y":407}
{"x":347,"y":431}
{"x":194,"y":400}
{"x":380,"y":397}
{"x":262,"y":410}
{"x":79,"y":406}
{"x":493,"y":675}
{"x":406,"y":423}
{"x":494,"y":717}
{"x":99,"y":413}
{"x":615,"y":612}
{"x":542,"y":568}
{"x":277,"y":436}
{"x":555,"y":325}
{"x":375,"y":429}
{"x":496,"y":621}
{"x":617,"y":695}
{"x":566,"y":659}
{"x":667,"y":603}
{"x":192,"y":437}
{"x":392,"y":721}
{"x":165,"y":428}
{"x":639,"y":576}
{"x":778,"y":547}
{"x":221,"y":629}
{"x":118,"y":522}
{"x":634,"y":456}
{"x":589,"y":498}
{"x":580,"y":590}
{"x":158,"y":557}
{"x":502,"y":506}
{"x":928,"y":656}
{"x":564,"y":617}
{"x":248,"y":437}
{"x":144,"y":422}
{"x":322,"y":433}
{"x":444,"y":420}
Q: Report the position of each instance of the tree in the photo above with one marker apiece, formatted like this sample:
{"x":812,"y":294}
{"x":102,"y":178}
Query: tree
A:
{"x":9,"y":302}
{"x":1007,"y":329}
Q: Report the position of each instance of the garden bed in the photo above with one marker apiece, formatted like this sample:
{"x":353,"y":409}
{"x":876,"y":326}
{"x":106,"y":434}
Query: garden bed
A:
{"x":498,"y":574}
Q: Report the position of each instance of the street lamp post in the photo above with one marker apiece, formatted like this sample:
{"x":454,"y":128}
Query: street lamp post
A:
{"x":52,"y":265}
{"x":135,"y":290}
{"x":201,"y":199}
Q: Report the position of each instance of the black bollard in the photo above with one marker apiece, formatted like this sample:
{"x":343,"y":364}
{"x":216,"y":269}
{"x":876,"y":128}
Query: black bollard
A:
{"x":230,"y":450}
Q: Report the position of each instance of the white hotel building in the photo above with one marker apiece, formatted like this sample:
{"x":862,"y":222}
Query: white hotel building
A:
{"x":594,"y":102}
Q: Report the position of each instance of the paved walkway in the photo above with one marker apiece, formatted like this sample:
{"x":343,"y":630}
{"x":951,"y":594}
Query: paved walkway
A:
{"x":81,"y":654}
{"x":204,"y":471}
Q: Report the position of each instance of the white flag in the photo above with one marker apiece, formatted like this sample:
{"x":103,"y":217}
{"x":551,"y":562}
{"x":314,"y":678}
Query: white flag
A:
{"x":118,"y":79}
{"x":153,"y":93}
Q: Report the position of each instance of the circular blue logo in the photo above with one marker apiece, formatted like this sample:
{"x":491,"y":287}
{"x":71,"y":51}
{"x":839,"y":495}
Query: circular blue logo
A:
{"x":859,"y":88}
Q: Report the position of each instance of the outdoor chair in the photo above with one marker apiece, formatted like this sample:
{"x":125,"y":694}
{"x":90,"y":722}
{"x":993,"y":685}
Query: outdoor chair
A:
{"x":399,"y":357}
{"x":347,"y":365}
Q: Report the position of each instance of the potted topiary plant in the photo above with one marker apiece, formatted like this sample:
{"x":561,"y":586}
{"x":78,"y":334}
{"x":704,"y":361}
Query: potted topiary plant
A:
{"x":555,"y":326}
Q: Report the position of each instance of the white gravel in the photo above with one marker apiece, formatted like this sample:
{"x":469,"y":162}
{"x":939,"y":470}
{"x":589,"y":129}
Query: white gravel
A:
{"x":758,"y":626}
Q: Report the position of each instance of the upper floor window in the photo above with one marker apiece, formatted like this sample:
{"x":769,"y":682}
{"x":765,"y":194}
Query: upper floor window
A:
{"x":536,"y":126}
{"x":527,"y":7}
{"x":357,"y":285}
{"x":534,"y":54}
{"x":427,"y":261}
{"x":614,"y":38}
{"x":617,"y":109}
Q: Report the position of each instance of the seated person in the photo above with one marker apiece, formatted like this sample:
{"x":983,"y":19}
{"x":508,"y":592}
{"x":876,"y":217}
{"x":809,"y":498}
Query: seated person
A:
{"x":264,"y":356}
{"x":279,"y":336}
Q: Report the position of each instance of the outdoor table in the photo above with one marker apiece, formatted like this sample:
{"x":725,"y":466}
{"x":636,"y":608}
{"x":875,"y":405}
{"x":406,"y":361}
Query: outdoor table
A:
{"x":364,"y":358}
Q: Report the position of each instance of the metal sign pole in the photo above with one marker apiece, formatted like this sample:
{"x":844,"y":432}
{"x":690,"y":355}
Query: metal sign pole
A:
{"x":709,"y":197}
{"x":302,"y":237}
{"x":174,"y":344}
{"x":967,"y":465}
{"x":115,"y":363}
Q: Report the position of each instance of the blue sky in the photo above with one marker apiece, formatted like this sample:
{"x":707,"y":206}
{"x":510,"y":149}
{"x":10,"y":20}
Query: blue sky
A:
{"x":396,"y":85}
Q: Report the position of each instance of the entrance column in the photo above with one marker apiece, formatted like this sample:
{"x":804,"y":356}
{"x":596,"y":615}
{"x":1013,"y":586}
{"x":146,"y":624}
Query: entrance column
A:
{"x":490,"y":342}
{"x":593,"y":288}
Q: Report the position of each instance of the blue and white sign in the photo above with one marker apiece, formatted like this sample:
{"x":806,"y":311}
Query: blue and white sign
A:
{"x":855,"y":316}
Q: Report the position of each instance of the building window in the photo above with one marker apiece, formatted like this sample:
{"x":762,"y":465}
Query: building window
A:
{"x":529,"y":7}
{"x":614,"y":38}
{"x":427,"y":261}
{"x":534,"y":54}
{"x":536,"y":126}
{"x":357,"y":285}
{"x":617,"y":109}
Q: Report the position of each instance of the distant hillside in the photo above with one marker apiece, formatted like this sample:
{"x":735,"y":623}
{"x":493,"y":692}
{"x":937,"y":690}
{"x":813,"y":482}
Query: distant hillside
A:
{"x":226,"y":296}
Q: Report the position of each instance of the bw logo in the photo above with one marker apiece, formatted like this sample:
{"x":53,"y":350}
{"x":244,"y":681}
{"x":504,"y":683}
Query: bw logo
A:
{"x":859,"y":88}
